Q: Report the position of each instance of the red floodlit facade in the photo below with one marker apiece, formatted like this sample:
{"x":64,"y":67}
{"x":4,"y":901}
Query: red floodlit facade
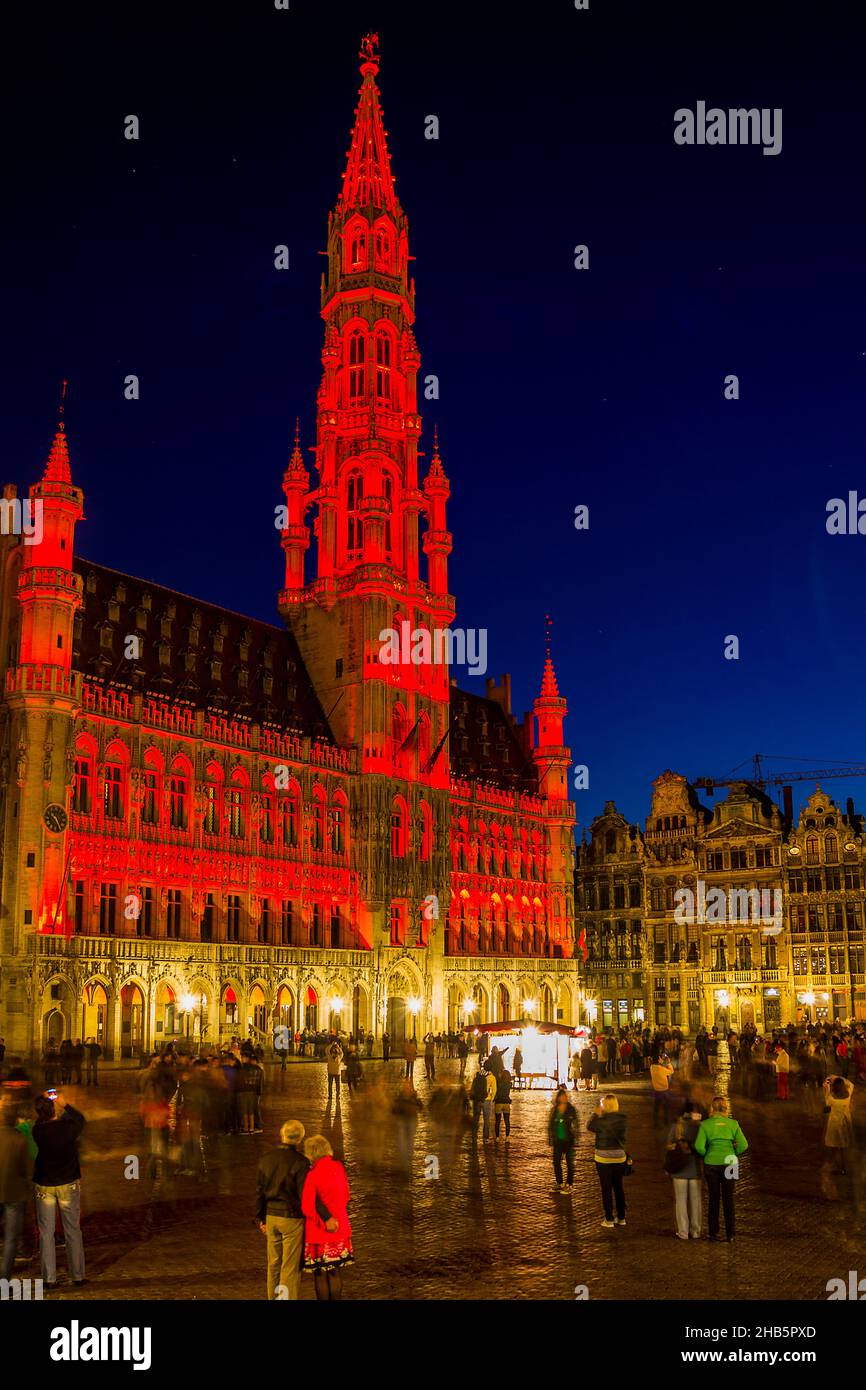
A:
{"x":213,"y":825}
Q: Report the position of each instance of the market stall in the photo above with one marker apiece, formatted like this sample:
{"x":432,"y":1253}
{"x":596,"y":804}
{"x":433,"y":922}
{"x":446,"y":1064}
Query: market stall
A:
{"x":547,"y":1047}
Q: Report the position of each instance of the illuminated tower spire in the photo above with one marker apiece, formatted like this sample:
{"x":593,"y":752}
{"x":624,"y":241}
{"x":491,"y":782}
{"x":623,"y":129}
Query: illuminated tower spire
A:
{"x":549,"y":751}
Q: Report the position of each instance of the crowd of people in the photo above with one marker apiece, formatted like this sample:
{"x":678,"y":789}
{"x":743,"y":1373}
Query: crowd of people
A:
{"x":190,"y":1106}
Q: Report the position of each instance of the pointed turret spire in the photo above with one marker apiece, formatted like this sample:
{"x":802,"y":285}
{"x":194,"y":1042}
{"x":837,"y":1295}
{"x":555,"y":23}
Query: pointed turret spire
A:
{"x":57,"y":468}
{"x":549,"y":687}
{"x":368,"y":181}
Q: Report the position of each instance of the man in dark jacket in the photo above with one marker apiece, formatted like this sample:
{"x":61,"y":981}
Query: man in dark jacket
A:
{"x":279,"y":1186}
{"x":57,"y":1179}
{"x":15,"y":1165}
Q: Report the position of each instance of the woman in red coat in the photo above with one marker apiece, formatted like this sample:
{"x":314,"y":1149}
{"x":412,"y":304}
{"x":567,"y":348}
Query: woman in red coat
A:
{"x":327,"y":1246}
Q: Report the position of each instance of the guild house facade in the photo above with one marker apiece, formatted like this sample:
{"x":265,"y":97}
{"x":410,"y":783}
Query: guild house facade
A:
{"x":740,"y":914}
{"x":212,"y":825}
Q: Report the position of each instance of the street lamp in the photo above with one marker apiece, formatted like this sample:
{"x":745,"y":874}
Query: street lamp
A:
{"x":468,"y":1009}
{"x":414,"y":1009}
{"x":529,"y":1006}
{"x":187,"y":1004}
{"x":336,"y":1009}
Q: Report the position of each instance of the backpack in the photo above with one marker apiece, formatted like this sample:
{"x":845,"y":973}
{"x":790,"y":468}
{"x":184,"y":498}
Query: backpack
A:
{"x":479,"y":1087}
{"x":679,"y":1152}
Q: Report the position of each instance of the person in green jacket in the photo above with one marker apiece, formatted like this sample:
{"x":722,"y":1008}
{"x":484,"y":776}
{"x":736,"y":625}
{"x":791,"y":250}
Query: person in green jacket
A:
{"x":720,"y":1141}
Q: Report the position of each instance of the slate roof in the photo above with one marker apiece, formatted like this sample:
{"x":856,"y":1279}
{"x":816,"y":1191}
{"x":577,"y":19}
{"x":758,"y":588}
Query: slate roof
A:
{"x":199,"y":653}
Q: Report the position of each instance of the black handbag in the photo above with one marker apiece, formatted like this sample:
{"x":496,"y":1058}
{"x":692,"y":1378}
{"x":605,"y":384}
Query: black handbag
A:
{"x":628,"y":1170}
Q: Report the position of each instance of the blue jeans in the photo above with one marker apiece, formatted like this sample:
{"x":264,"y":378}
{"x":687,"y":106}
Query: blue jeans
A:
{"x":488,"y":1118}
{"x":68,"y":1198}
{"x":14,"y":1218}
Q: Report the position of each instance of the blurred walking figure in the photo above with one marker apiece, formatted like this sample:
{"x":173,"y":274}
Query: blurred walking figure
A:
{"x":155,"y":1089}
{"x":609,"y":1128}
{"x":92,"y":1053}
{"x":574,"y":1070}
{"x":386,"y":1047}
{"x":489,"y":1104}
{"x":410,"y":1052}
{"x":354,"y":1070}
{"x":57,"y":1183}
{"x":463,"y":1053}
{"x":502,"y":1102}
{"x":15,"y":1169}
{"x":430,"y":1056}
{"x":405,"y":1111}
{"x":562,"y":1126}
{"x":517,"y":1064}
{"x":661,"y":1072}
{"x":587,"y":1073}
{"x":279,"y":1213}
{"x":839,"y":1133}
{"x":682,"y":1163}
{"x":327,"y":1246}
{"x":783,"y":1071}
{"x":719,"y":1142}
{"x":335,"y":1066}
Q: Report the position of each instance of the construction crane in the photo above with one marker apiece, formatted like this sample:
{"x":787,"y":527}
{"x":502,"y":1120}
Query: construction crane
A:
{"x":760,"y":778}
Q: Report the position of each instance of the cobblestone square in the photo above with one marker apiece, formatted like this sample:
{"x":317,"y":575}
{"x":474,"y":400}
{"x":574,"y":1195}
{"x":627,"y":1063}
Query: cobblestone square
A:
{"x":491,"y":1225}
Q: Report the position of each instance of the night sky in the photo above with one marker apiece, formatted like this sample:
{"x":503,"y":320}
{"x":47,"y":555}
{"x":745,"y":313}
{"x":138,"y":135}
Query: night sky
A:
{"x":558,"y":387}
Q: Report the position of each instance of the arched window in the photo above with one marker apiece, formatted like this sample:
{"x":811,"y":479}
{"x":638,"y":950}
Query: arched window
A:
{"x":423,"y":744}
{"x":235,"y":801}
{"x":358,"y":249}
{"x":338,"y":825}
{"x":266,"y":823}
{"x":384,"y":248}
{"x":290,"y":817}
{"x":354,"y":524}
{"x":399,"y":818}
{"x":399,"y":732}
{"x":389,"y":500}
{"x":318,"y":818}
{"x":112,"y":790}
{"x":383,"y":367}
{"x":82,"y":793}
{"x":831,"y":849}
{"x":812,"y":845}
{"x":356,"y":366}
{"x":425,"y":837}
{"x":178,"y":788}
{"x":212,"y":800}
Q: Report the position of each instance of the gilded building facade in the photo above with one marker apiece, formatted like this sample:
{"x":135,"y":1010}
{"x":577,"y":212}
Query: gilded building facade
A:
{"x":213,"y":825}
{"x":724,"y":917}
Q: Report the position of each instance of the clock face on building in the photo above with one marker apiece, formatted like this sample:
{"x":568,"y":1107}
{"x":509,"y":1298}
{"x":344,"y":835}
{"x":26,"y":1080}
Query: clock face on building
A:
{"x":55,"y":819}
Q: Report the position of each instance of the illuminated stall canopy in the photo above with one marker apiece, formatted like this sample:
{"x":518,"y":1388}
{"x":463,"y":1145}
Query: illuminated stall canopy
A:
{"x":547,"y":1047}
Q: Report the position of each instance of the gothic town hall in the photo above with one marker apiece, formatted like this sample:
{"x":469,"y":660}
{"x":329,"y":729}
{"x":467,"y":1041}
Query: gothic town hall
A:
{"x":212,"y":825}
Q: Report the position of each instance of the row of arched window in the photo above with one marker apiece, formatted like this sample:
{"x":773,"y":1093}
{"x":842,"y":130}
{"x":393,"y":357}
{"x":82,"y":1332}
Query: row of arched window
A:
{"x":369,"y":368}
{"x":362,"y":241}
{"x":166,"y":796}
{"x":498,"y":850}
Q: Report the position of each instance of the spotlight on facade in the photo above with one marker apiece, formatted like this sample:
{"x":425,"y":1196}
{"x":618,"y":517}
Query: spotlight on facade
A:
{"x":468,"y":1006}
{"x":414,"y":1004}
{"x":809,"y":997}
{"x":337,"y":1005}
{"x":591,"y":1010}
{"x":723,"y":998}
{"x":187,"y":1003}
{"x":529,"y":1006}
